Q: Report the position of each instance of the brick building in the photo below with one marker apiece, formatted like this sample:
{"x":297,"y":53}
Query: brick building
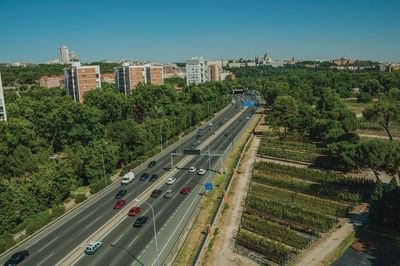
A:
{"x":52,"y":81}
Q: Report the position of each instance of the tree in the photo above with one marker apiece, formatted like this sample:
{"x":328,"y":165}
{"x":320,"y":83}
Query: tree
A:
{"x":384,"y":113}
{"x":284,"y":110}
{"x":376,"y":206}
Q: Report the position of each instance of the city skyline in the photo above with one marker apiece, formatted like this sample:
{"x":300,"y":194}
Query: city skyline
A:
{"x":178,"y":30}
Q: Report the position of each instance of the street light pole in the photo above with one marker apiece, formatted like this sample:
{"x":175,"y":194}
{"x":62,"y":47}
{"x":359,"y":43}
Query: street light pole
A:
{"x":155,"y":231}
{"x":161,"y":135}
{"x":104,"y":168}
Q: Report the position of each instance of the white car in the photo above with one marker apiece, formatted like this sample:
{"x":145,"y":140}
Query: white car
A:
{"x":201,"y":171}
{"x":192,"y":169}
{"x":171,"y":180}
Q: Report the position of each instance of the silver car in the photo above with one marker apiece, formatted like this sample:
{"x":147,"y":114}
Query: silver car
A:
{"x":169,"y":193}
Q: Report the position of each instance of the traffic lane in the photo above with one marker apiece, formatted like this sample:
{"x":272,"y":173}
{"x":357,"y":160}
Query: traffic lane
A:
{"x":167,"y":213}
{"x":122,"y":234}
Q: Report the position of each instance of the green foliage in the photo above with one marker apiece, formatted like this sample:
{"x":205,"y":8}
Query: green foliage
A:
{"x":58,"y":211}
{"x":98,"y":185}
{"x":6,"y":242}
{"x":38,"y":221}
{"x":80,"y":198}
{"x":364,"y":97}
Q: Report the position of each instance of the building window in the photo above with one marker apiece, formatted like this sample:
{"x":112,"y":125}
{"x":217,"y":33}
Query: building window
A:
{"x":83,"y":70}
{"x":85,"y":87}
{"x":84,"y":80}
{"x":83,"y":76}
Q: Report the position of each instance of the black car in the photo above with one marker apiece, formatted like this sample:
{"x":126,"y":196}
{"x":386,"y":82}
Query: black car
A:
{"x":153,"y":178}
{"x":151,"y":164}
{"x":192,"y":147}
{"x":155,"y":193}
{"x":198,"y":136}
{"x":200,"y":130}
{"x":120,"y":194}
{"x":17,"y":258}
{"x":140,"y":221}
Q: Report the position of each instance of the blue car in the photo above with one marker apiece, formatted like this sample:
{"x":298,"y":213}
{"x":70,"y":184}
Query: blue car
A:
{"x":144,"y":176}
{"x":226,"y":134}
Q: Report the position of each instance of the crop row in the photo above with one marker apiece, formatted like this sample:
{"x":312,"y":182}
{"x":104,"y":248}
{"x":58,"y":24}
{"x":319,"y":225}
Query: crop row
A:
{"x":273,"y":251}
{"x":323,"y":206}
{"x":275,"y":231}
{"x":316,"y":189}
{"x":333,"y":178}
{"x":279,"y":153}
{"x":292,"y":145}
{"x":310,"y":218}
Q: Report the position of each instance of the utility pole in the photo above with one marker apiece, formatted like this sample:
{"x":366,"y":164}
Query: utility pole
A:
{"x":104,"y":168}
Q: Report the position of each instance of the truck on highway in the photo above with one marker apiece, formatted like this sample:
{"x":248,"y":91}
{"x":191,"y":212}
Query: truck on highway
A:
{"x":127,"y":178}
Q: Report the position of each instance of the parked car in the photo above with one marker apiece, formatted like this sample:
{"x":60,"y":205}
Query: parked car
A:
{"x":155,"y":193}
{"x":151,"y":164}
{"x":201,"y":171}
{"x":171,"y":180}
{"x":140,"y":221}
{"x":127,"y":178}
{"x":144,"y":176}
{"x":186,"y":190}
{"x":169,"y":193}
{"x":17,"y":258}
{"x":93,"y":247}
{"x":192,"y":169}
{"x":153,"y":178}
{"x":119,"y":204}
{"x":120,"y":194}
{"x":134,"y":211}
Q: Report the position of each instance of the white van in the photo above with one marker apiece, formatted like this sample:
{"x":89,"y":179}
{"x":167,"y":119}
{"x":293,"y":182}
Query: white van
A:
{"x":127,"y":178}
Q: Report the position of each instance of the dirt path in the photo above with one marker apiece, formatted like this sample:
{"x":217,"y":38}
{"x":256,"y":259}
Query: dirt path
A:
{"x":319,"y":253}
{"x":223,"y":250}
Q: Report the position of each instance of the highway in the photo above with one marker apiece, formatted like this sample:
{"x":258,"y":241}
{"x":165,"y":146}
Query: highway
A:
{"x":59,"y":239}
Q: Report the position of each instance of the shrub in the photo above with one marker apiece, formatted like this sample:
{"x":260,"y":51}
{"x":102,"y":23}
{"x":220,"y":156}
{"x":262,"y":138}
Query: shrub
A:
{"x":37,"y":222}
{"x":6,"y":241}
{"x":58,"y":211}
{"x":97,"y":186}
{"x":80,"y":198}
{"x":364,"y":97}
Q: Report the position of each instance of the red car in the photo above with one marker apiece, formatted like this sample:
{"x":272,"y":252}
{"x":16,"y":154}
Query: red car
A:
{"x":186,"y":190}
{"x":134,"y":211}
{"x":119,"y":204}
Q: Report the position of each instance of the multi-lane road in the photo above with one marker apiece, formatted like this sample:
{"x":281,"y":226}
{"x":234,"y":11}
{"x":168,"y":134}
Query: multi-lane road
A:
{"x":125,"y":244}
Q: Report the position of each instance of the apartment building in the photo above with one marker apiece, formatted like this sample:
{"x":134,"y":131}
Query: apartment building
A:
{"x":3,"y":115}
{"x":196,"y":70}
{"x":128,"y":77}
{"x":214,"y":73}
{"x":80,"y":79}
{"x":52,"y":81}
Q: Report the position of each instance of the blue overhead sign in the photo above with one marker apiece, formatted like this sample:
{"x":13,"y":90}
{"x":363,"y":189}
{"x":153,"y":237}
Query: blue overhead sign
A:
{"x":248,"y":103}
{"x":208,"y":186}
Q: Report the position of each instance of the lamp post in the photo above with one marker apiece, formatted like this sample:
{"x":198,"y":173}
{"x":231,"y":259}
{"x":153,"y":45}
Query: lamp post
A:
{"x":154,"y":226}
{"x":104,"y":168}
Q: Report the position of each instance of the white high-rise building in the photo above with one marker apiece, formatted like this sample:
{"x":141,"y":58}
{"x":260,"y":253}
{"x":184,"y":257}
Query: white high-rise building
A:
{"x":64,"y":54}
{"x":3,"y":115}
{"x":196,"y":70}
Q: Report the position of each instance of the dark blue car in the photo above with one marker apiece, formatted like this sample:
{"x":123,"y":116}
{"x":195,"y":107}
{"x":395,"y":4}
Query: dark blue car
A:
{"x":144,"y":176}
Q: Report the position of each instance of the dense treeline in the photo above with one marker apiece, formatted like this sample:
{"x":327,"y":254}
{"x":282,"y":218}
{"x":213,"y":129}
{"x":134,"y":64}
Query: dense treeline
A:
{"x":14,"y":76}
{"x":124,"y":128}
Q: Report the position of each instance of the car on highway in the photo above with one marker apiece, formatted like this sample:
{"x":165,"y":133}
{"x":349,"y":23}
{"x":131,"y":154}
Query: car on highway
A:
{"x":17,"y":258}
{"x":241,"y":119}
{"x":140,"y":221}
{"x":220,"y":123}
{"x":144,"y":176}
{"x":200,"y":130}
{"x":153,"y":178}
{"x":226,"y":134}
{"x":247,"y":117}
{"x":155,"y":193}
{"x":198,"y":136}
{"x":186,"y":190}
{"x":192,"y":147}
{"x":170,"y":181}
{"x":93,"y":247}
{"x":201,"y":171}
{"x":134,"y":211}
{"x":119,"y":204}
{"x":120,"y":194}
{"x":210,"y":124}
{"x":169,"y":193}
{"x":192,"y":169}
{"x":151,"y":164}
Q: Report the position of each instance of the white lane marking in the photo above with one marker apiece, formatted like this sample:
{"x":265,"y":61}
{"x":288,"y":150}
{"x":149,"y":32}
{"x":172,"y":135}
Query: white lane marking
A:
{"x":78,"y":259}
{"x":173,"y":233}
{"x":118,"y":239}
{"x":48,"y":244}
{"x":89,"y":225}
{"x":133,"y":241}
{"x":40,"y":263}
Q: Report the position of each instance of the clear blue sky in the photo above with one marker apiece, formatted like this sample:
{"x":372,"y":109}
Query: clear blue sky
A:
{"x":32,"y":30}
